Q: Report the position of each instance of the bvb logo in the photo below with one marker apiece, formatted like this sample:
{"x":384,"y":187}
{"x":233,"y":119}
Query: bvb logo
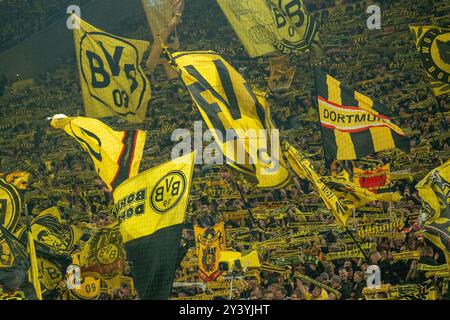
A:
{"x":435,"y":53}
{"x":108,"y":254}
{"x":111,"y":72}
{"x":168,"y":191}
{"x":289,"y":17}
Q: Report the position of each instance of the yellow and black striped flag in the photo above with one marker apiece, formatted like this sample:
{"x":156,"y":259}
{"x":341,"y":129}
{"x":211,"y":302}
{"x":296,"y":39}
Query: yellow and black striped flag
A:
{"x":353,"y":125}
{"x":151,"y":209}
{"x":116,"y":154}
{"x":237,"y":116}
{"x":433,"y":45}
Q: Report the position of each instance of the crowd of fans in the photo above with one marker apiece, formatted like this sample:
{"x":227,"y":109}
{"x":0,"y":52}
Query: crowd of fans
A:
{"x":382,"y":64}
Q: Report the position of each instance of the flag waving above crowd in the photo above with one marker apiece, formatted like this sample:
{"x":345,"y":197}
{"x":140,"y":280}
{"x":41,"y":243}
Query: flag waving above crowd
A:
{"x":151,"y":208}
{"x":116,"y":154}
{"x":112,"y":81}
{"x":353,"y":125}
{"x":229,"y":106}
{"x":279,"y":166}
{"x":163,"y":17}
{"x":433,"y":45}
{"x":267,"y":26}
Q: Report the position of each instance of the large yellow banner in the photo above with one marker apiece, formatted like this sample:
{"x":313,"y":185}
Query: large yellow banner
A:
{"x":112,"y":81}
{"x":266,"y":26}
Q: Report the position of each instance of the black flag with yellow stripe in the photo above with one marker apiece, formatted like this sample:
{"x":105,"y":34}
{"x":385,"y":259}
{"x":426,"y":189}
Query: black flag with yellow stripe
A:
{"x":353,"y":125}
{"x":151,"y":209}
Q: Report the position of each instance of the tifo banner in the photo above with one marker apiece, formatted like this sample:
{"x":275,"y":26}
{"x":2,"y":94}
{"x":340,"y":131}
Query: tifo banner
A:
{"x":266,"y":26}
{"x":227,"y":102}
{"x":432,"y":43}
{"x":209,"y":242}
{"x":372,"y":179}
{"x":116,"y":154}
{"x":112,"y":82}
{"x":353,"y":125}
{"x":151,"y":210}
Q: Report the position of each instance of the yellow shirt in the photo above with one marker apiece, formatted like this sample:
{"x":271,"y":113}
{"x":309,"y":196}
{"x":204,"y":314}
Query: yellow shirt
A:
{"x":323,"y":295}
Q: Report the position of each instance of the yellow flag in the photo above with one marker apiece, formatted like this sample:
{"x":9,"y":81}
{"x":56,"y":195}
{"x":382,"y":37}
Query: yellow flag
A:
{"x":89,"y":287}
{"x":434,"y":189}
{"x":209,"y":242}
{"x":48,"y":229}
{"x":103,"y":255}
{"x":151,"y":209}
{"x":304,"y":169}
{"x":112,"y":81}
{"x":116,"y":154}
{"x":163,"y":17}
{"x":34,"y":271}
{"x":354,"y":196}
{"x":266,"y":26}
{"x":238,"y":117}
{"x":433,"y":45}
{"x":10,"y":206}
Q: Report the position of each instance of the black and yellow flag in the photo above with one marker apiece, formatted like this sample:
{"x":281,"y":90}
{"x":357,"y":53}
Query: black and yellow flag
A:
{"x":438,"y":232}
{"x":10,"y":206}
{"x":55,"y":241}
{"x":103,"y":256}
{"x":209,"y":242}
{"x":48,"y":229}
{"x":353,"y":125}
{"x":354,"y":196}
{"x":151,"y":209}
{"x":434,"y":190}
{"x":433,"y":45}
{"x":266,"y":26}
{"x":304,"y":169}
{"x":238,"y":117}
{"x":112,"y":81}
{"x":116,"y":154}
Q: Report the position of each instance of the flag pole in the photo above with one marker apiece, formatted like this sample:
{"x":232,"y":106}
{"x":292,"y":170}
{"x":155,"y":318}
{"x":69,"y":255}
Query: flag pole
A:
{"x":247,"y":206}
{"x":357,"y":243}
{"x":34,"y":271}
